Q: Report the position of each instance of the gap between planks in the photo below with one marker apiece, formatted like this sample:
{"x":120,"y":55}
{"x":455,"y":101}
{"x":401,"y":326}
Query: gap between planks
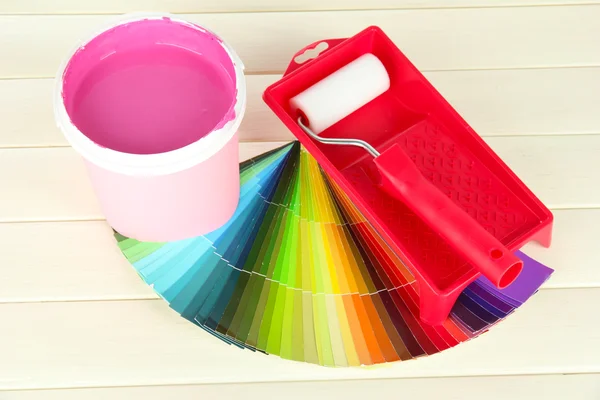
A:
{"x":584,"y":382}
{"x":291,"y":6}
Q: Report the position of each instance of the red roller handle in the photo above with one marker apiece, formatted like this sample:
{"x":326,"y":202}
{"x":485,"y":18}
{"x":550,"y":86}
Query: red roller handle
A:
{"x":401,"y":179}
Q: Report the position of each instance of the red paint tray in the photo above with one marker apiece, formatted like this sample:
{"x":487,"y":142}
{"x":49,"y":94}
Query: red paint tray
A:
{"x":444,"y":148}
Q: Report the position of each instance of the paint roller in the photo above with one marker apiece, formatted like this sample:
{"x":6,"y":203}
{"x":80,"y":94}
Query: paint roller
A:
{"x":346,"y":91}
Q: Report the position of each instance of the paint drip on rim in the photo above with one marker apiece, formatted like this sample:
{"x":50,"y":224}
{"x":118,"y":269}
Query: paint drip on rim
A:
{"x":150,"y":86}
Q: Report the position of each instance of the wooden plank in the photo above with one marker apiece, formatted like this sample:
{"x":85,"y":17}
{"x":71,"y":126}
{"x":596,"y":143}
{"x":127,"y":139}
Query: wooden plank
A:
{"x":65,"y":261}
{"x":26,"y":109}
{"x":547,"y":387}
{"x":78,"y":261}
{"x":51,"y":184}
{"x":137,"y":343}
{"x":494,"y":102}
{"x":560,"y":170}
{"x":191,"y":6}
{"x":435,"y":39}
{"x":524,"y":102}
{"x":573,"y":252}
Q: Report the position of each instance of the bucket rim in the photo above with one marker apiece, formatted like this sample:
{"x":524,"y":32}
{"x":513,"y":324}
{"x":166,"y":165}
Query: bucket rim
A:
{"x":157,"y":163}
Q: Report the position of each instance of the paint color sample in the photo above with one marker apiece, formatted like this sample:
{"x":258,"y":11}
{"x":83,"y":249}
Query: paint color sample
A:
{"x":298,"y":272}
{"x":137,"y":94}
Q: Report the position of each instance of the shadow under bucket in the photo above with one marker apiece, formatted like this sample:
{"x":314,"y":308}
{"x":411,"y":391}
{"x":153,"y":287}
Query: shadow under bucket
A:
{"x":153,"y":104}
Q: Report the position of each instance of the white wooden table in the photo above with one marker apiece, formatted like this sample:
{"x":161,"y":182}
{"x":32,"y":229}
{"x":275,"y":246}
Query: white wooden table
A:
{"x":77,"y":323}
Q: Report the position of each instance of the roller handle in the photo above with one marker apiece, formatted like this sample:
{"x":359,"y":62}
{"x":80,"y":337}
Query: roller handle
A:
{"x":401,"y":179}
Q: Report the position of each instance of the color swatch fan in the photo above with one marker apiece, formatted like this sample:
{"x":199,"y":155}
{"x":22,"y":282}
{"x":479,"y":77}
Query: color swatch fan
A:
{"x":298,"y":272}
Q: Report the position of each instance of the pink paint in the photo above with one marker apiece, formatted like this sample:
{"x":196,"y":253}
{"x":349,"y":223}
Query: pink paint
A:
{"x":150,"y":86}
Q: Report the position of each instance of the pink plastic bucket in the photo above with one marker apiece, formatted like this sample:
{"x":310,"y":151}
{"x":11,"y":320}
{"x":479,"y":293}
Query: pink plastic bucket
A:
{"x":153,"y":104}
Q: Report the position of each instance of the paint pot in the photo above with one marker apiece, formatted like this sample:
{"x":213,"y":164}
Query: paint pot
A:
{"x":153,"y":103}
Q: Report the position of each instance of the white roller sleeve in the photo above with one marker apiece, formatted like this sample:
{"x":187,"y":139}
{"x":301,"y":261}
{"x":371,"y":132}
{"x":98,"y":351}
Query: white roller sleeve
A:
{"x":343,"y":92}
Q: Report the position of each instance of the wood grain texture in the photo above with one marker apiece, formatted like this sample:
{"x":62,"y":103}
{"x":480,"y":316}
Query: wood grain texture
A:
{"x":547,"y":387}
{"x":79,"y":261}
{"x":573,"y":253}
{"x":133,"y":343}
{"x":560,"y":170}
{"x":192,"y":6}
{"x":65,"y":261}
{"x":51,"y":184}
{"x":78,"y":323}
{"x":494,"y":102}
{"x":434,"y":39}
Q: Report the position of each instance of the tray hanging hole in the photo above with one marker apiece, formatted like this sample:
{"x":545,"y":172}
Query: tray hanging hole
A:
{"x":311,"y":53}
